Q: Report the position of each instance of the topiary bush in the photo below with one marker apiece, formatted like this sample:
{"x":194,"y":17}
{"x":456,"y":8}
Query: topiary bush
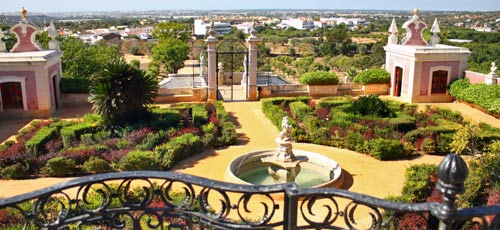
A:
{"x":140,"y":160}
{"x":59,"y":167}
{"x":178,"y":149}
{"x":96,"y":165}
{"x":15,"y":171}
{"x":383,"y":149}
{"x":319,"y":78}
{"x":373,"y":76}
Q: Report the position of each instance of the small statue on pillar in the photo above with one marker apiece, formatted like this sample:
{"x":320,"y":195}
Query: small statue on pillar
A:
{"x":221,"y":73}
{"x":2,"y":44}
{"x":202,"y":64}
{"x":245,"y":72}
{"x":493,"y":68}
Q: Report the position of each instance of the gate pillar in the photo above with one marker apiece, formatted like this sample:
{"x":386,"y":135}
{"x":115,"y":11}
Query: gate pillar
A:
{"x":253,"y":43}
{"x":212,"y":65}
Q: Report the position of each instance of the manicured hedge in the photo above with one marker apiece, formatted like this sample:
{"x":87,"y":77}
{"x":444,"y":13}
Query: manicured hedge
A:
{"x":59,"y":166}
{"x":35,"y":145}
{"x":164,"y":118}
{"x":486,"y":96}
{"x":74,"y":85}
{"x":299,"y":109}
{"x":319,"y":78}
{"x":382,"y":149}
{"x":140,"y":160}
{"x":200,"y":115}
{"x":178,"y":149}
{"x":373,"y":76}
{"x":72,"y":133}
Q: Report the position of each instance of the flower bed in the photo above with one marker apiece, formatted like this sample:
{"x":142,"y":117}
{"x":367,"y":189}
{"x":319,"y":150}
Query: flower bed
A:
{"x":62,"y":148}
{"x":385,"y":130}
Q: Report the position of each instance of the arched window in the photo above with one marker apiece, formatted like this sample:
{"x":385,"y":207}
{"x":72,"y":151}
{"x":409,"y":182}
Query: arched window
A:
{"x":439,"y":81}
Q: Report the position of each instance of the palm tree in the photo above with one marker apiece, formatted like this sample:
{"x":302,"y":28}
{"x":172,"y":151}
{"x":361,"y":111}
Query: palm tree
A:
{"x":120,"y":92}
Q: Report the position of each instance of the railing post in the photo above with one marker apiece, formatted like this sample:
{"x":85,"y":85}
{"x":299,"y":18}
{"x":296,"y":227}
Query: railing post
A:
{"x":291,"y":207}
{"x":452,"y":173}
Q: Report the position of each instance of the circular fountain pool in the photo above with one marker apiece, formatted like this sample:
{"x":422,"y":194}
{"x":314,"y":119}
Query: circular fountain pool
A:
{"x":316,"y":171}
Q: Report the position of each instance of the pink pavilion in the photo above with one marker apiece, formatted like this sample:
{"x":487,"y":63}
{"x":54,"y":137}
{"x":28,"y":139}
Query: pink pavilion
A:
{"x":421,"y":71}
{"x":29,"y":75}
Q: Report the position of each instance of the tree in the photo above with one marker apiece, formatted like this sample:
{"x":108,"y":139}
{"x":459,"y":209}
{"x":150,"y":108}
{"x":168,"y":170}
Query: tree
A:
{"x":172,"y":53}
{"x":378,"y":54}
{"x":168,"y":30}
{"x":120,"y":93}
{"x":82,"y":60}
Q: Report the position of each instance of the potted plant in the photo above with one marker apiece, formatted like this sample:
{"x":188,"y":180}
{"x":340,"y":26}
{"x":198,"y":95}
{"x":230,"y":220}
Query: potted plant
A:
{"x":374,"y":81}
{"x":320,"y":83}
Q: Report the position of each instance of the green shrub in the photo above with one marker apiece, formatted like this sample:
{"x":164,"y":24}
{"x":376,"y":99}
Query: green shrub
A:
{"x":59,"y":167}
{"x":97,"y":165}
{"x":228,"y":135}
{"x":370,"y":105}
{"x":36,"y":144}
{"x":443,"y":143}
{"x":373,"y":76}
{"x":333,"y":101}
{"x":140,"y":160}
{"x":273,"y":112}
{"x":428,"y":145}
{"x":300,"y":109}
{"x":458,"y":86}
{"x":73,"y":133}
{"x":152,"y":140}
{"x":486,"y":96}
{"x":74,"y":85}
{"x":200,"y":115}
{"x":418,"y":185}
{"x":178,"y":149}
{"x":383,"y":149}
{"x":403,"y":123}
{"x":319,"y":78}
{"x":101,"y":135}
{"x":164,"y":118}
{"x":15,"y":171}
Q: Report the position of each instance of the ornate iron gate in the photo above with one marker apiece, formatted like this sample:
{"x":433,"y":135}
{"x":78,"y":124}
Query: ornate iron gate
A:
{"x":232,"y":50}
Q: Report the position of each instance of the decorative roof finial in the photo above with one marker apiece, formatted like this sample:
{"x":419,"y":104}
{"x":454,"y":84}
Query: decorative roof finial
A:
{"x":435,"y":30}
{"x":415,"y":12}
{"x":23,"y":13}
{"x":393,"y":29}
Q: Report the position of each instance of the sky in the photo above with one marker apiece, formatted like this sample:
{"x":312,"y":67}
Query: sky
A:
{"x":138,"y":5}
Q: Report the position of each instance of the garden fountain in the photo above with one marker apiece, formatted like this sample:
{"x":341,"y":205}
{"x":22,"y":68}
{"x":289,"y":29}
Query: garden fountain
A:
{"x":285,"y":164}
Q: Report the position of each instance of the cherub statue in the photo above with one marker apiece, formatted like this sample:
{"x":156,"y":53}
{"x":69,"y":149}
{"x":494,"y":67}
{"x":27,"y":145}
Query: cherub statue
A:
{"x":286,"y":129}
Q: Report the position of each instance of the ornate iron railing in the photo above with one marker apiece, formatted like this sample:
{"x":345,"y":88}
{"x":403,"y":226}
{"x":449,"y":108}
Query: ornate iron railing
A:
{"x":167,"y":200}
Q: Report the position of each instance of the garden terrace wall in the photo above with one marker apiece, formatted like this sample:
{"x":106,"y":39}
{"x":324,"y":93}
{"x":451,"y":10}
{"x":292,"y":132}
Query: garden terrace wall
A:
{"x":475,"y":77}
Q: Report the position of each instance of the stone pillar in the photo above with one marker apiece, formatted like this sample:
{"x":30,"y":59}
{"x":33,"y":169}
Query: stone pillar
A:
{"x":253,"y":43}
{"x":212,"y":66}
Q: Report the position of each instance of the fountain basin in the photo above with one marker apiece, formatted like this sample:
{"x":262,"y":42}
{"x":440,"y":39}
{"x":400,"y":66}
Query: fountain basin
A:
{"x":317,"y":172}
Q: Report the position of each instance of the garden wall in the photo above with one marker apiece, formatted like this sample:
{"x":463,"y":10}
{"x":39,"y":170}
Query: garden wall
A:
{"x":475,"y":77}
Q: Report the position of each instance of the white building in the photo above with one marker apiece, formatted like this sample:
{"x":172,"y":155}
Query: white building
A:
{"x":201,"y":27}
{"x":297,"y":23}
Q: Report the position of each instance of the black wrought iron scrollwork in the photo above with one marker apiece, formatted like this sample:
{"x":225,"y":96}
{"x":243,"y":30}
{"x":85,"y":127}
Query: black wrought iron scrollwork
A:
{"x":329,"y":210}
{"x":155,"y":200}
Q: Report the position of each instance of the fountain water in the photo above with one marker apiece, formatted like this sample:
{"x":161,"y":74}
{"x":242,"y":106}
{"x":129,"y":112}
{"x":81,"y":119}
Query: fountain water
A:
{"x":285,"y":164}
